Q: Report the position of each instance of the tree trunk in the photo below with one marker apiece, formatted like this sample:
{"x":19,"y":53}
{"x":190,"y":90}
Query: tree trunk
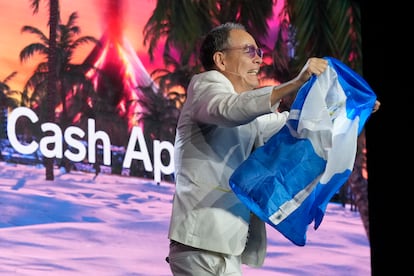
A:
{"x":52,"y":76}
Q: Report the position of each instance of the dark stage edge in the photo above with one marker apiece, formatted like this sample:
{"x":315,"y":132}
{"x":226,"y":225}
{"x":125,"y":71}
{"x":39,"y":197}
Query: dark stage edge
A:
{"x":385,"y":60}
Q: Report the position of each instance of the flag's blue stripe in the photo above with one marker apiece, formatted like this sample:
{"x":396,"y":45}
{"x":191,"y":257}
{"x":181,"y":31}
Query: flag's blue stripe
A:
{"x":360,"y":96}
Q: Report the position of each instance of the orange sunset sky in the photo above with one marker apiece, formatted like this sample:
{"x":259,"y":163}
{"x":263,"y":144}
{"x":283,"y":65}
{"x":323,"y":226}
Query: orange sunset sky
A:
{"x":17,"y":13}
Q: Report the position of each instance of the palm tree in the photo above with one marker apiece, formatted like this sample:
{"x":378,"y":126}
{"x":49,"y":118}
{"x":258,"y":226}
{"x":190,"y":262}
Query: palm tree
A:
{"x":50,"y":113}
{"x":59,"y":79}
{"x":8,"y":97}
{"x":184,"y":23}
{"x":71,"y":78}
{"x":8,"y":100}
{"x":159,"y":115}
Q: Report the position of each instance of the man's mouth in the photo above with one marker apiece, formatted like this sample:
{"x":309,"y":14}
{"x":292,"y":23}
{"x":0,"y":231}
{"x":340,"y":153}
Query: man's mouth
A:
{"x":253,"y":72}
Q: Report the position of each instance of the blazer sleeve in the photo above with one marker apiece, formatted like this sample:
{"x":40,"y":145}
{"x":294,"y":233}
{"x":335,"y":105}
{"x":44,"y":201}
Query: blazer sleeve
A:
{"x":214,"y":101}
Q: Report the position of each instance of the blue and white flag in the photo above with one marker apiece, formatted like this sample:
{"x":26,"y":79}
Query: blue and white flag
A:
{"x":289,"y":181}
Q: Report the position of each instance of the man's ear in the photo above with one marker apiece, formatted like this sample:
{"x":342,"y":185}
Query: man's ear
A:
{"x":218,"y":58}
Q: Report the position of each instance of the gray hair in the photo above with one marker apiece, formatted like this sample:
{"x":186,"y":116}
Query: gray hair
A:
{"x":216,"y":40}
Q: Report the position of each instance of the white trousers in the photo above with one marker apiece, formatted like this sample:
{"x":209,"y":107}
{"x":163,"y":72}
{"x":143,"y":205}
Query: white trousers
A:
{"x":189,"y":261}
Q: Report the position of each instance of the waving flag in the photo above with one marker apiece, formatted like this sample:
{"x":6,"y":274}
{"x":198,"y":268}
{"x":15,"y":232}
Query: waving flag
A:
{"x":289,"y":181}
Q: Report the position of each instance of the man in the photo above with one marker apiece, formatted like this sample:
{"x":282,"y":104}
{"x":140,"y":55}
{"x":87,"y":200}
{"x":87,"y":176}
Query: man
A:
{"x":225,"y":117}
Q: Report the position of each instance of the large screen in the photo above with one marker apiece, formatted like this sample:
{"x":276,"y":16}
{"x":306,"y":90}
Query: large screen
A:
{"x":111,"y":139}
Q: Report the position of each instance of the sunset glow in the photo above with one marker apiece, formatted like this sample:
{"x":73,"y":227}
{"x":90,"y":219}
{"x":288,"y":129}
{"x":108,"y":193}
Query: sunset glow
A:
{"x":93,"y":19}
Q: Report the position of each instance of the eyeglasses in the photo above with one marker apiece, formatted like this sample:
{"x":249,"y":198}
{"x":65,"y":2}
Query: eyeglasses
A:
{"x":248,"y":49}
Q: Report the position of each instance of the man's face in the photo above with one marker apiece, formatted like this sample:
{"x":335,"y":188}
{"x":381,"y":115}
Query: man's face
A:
{"x":241,"y":61}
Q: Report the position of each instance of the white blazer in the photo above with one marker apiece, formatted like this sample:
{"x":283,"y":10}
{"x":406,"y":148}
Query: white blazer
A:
{"x":217,"y":130}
